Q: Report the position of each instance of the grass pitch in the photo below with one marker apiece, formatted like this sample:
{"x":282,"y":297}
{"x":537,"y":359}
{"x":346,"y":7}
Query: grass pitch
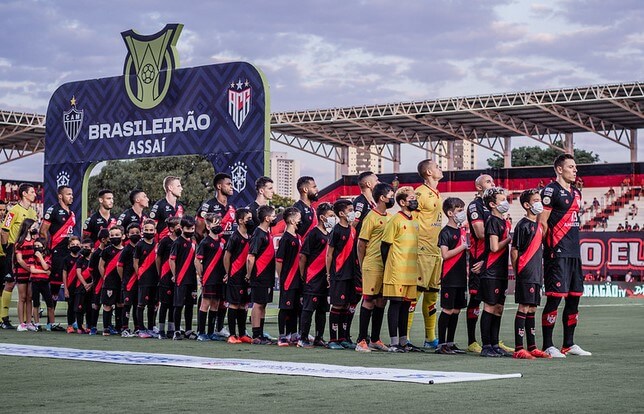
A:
{"x":609,"y":381}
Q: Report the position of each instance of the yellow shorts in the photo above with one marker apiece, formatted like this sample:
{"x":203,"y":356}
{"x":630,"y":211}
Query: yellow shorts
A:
{"x":372,"y":281}
{"x":399,"y":291}
{"x":429,"y":271}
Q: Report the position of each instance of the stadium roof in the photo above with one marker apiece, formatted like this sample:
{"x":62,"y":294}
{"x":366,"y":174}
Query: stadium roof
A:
{"x":613,"y":111}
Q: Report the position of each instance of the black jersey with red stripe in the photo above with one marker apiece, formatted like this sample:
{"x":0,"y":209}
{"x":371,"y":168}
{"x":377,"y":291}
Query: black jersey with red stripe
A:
{"x":95,"y":223}
{"x":183,"y":253}
{"x":126,"y":262}
{"x":344,"y":263}
{"x":362,"y":207}
{"x":163,"y":255}
{"x":82,"y":263}
{"x":94,"y":275}
{"x":562,"y":239}
{"x":61,"y":226}
{"x":26,"y":249}
{"x":454,"y":271}
{"x":110,"y":256}
{"x":227,"y":214}
{"x":162,"y":210}
{"x":288,"y":253}
{"x":70,"y":265}
{"x":496,"y":263}
{"x":210,"y":253}
{"x":314,"y":248}
{"x":238,"y":247}
{"x":128,"y":217}
{"x":261,"y":246}
{"x":527,"y":239}
{"x":308,"y":218}
{"x":146,"y":254}
{"x":477,"y":212}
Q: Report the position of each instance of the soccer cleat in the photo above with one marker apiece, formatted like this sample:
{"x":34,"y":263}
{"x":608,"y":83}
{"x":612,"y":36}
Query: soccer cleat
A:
{"x":522,"y":354}
{"x":575,"y":350}
{"x":304,"y":344}
{"x":169,"y":334}
{"x":537,"y":353}
{"x":106,"y":332}
{"x":22,"y":327}
{"x":261,"y":341}
{"x":93,"y":331}
{"x":320,"y":342}
{"x":444,"y":349}
{"x":505,"y":348}
{"x":554,"y":352}
{"x":178,"y":336}
{"x":397,"y":349}
{"x":203,"y":338}
{"x":75,"y":325}
{"x":334,"y":345}
{"x":145,"y":334}
{"x":38,"y":327}
{"x":347,"y":345}
{"x":431,"y":344}
{"x":216,"y":337}
{"x":162,"y":335}
{"x":378,"y":346}
{"x":455,"y":348}
{"x":233,"y":339}
{"x":409,"y":347}
{"x":362,"y":346}
{"x":269,"y":337}
{"x":294,"y":339}
{"x":32,"y":328}
{"x":6,"y":324}
{"x":112,"y":330}
{"x":283,"y":341}
{"x":191,"y":335}
{"x":474,"y":348}
{"x":127,"y":334}
{"x":224,"y":332}
{"x":246,"y":339}
{"x":57,"y":328}
{"x":488,"y":352}
{"x":501,"y":351}
{"x":71,"y":329}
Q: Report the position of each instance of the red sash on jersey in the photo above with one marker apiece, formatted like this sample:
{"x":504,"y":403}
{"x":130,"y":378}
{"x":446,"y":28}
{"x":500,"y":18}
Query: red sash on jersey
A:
{"x":494,"y":256}
{"x":111,"y":266}
{"x":449,"y":263}
{"x":64,"y":231}
{"x":314,"y":222}
{"x":186,"y":264}
{"x":341,"y":259}
{"x":559,"y":230}
{"x":71,"y":276}
{"x":165,"y":268}
{"x":534,"y":245}
{"x":86,"y":274}
{"x":265,"y":258}
{"x":131,"y":282}
{"x":211,"y":266}
{"x":228,"y":220}
{"x":240,"y":262}
{"x":149,"y":261}
{"x":316,"y":266}
{"x":294,"y":266}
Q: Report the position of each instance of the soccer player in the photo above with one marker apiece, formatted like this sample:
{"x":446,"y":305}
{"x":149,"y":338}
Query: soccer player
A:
{"x":57,"y":225}
{"x":287,"y":267}
{"x":169,"y":206}
{"x":218,"y":205}
{"x":452,"y":241}
{"x":69,"y":280}
{"x":265,"y":192}
{"x":97,"y":281}
{"x":341,"y":262}
{"x":139,"y":201}
{"x":430,"y":219}
{"x":370,"y":259}
{"x":260,"y":271}
{"x":22,"y":259}
{"x":129,"y":286}
{"x":236,"y":284}
{"x":103,"y":218}
{"x":210,"y":275}
{"x":563,"y":277}
{"x":111,"y":286}
{"x":526,"y":256}
{"x":166,"y":284}
{"x":494,"y":279}
{"x":182,"y":266}
{"x":82,"y":297}
{"x":10,"y":229}
{"x":308,"y":190}
{"x":145,"y":269}
{"x":399,"y":251}
{"x":313,"y":272}
{"x":39,"y":270}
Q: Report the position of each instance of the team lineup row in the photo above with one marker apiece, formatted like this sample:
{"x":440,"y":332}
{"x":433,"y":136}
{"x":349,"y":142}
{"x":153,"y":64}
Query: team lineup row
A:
{"x":330,"y":259}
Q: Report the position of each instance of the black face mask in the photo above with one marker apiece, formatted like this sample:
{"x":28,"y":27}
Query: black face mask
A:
{"x":177,"y":232}
{"x":216,"y":229}
{"x":412,"y":205}
{"x":134,"y":239}
{"x":148,"y":236}
{"x":33,"y":232}
{"x":390,"y":203}
{"x":115,"y":241}
{"x":250,"y":226}
{"x":86,"y":252}
{"x":273,"y":223}
{"x":75,"y":249}
{"x":188,"y":234}
{"x":313,"y":196}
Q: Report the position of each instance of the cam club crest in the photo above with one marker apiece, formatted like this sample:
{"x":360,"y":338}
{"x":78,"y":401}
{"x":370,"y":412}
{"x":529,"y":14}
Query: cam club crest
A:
{"x":239,"y":100}
{"x":72,"y":121}
{"x":239,"y":170}
{"x":149,"y":65}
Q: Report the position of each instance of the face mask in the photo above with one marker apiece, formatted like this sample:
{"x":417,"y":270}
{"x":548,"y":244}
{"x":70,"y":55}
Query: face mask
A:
{"x":216,"y":229}
{"x":33,"y":232}
{"x":390,"y":203}
{"x":115,"y":241}
{"x":250,"y":226}
{"x":134,"y":239}
{"x":329,"y":223}
{"x":312,"y":196}
{"x":177,"y":232}
{"x":148,"y":236}
{"x":39,"y":249}
{"x":351,"y":217}
{"x":188,"y":234}
{"x":298,"y":224}
{"x":273,"y":223}
{"x":536,"y":208}
{"x":86,"y":252}
{"x":412,"y":205}
{"x":503,"y":207}
{"x":460,"y":217}
{"x":75,"y":249}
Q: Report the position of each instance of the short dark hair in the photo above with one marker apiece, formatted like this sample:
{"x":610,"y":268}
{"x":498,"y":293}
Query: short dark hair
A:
{"x":302,"y":181}
{"x":289,"y":213}
{"x":24,"y":188}
{"x":73,"y":238}
{"x":210,"y":217}
{"x":173,"y":221}
{"x":119,"y":228}
{"x":61,"y":188}
{"x":362,"y":177}
{"x":261,"y":182}
{"x":323,"y":208}
{"x":341,"y":205}
{"x":241,"y":213}
{"x":133,"y":225}
{"x":149,"y":221}
{"x":264,"y":211}
{"x":561,"y":159}
{"x":103,"y":233}
{"x":87,"y":241}
{"x":187,"y":221}
{"x":381,"y":190}
{"x":422,"y":166}
{"x":219,"y":177}
{"x":489,"y":196}
{"x":451,"y":203}
{"x":133,"y":194}
{"x":526,"y":195}
{"x":105,"y":191}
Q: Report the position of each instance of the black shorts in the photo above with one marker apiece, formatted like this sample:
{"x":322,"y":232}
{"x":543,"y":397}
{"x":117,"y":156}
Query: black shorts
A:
{"x":82,"y":299}
{"x":166,"y":295}
{"x":453,"y":298}
{"x":147,"y":295}
{"x":185,"y":295}
{"x":110,"y":297}
{"x":21,"y":278}
{"x":474,"y":279}
{"x":130,"y":297}
{"x":290,"y":299}
{"x":312,"y":303}
{"x":261,"y":295}
{"x":41,"y":289}
{"x":96,"y":298}
{"x":492,"y":291}
{"x":57,"y":266}
{"x":527,"y":294}
{"x":237,"y":294}
{"x":563,"y":276}
{"x":57,"y":292}
{"x":342,"y":292}
{"x":215,"y":291}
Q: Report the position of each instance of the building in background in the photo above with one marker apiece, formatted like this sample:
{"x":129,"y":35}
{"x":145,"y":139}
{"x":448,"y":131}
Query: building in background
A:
{"x":462,"y":154}
{"x":284,"y":173}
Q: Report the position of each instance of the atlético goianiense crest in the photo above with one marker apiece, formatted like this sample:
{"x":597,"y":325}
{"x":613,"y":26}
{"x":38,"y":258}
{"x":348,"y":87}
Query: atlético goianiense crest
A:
{"x":149,"y":64}
{"x":239,"y":100}
{"x":72,"y":121}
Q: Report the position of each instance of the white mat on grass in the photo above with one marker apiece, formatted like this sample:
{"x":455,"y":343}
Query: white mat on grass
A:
{"x":249,"y":365}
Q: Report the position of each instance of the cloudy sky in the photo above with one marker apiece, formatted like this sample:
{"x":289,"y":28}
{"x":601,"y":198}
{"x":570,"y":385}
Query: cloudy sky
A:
{"x":319,"y":54}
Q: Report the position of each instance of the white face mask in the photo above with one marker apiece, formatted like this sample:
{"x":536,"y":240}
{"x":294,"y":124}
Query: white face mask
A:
{"x":503,"y":207}
{"x":351,"y":217}
{"x":536,"y":208}
{"x":330,"y":222}
{"x":460,"y":217}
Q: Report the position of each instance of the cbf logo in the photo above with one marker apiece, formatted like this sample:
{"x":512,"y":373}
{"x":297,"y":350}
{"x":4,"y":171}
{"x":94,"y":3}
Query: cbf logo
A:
{"x":62,"y":178}
{"x":238,"y":173}
{"x":72,"y":121}
{"x":239,"y":100}
{"x":149,"y":64}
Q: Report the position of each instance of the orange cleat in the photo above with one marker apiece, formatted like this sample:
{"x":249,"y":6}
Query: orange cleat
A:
{"x":234,"y":339}
{"x":537,"y":353}
{"x":522,"y":354}
{"x":246,"y":339}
